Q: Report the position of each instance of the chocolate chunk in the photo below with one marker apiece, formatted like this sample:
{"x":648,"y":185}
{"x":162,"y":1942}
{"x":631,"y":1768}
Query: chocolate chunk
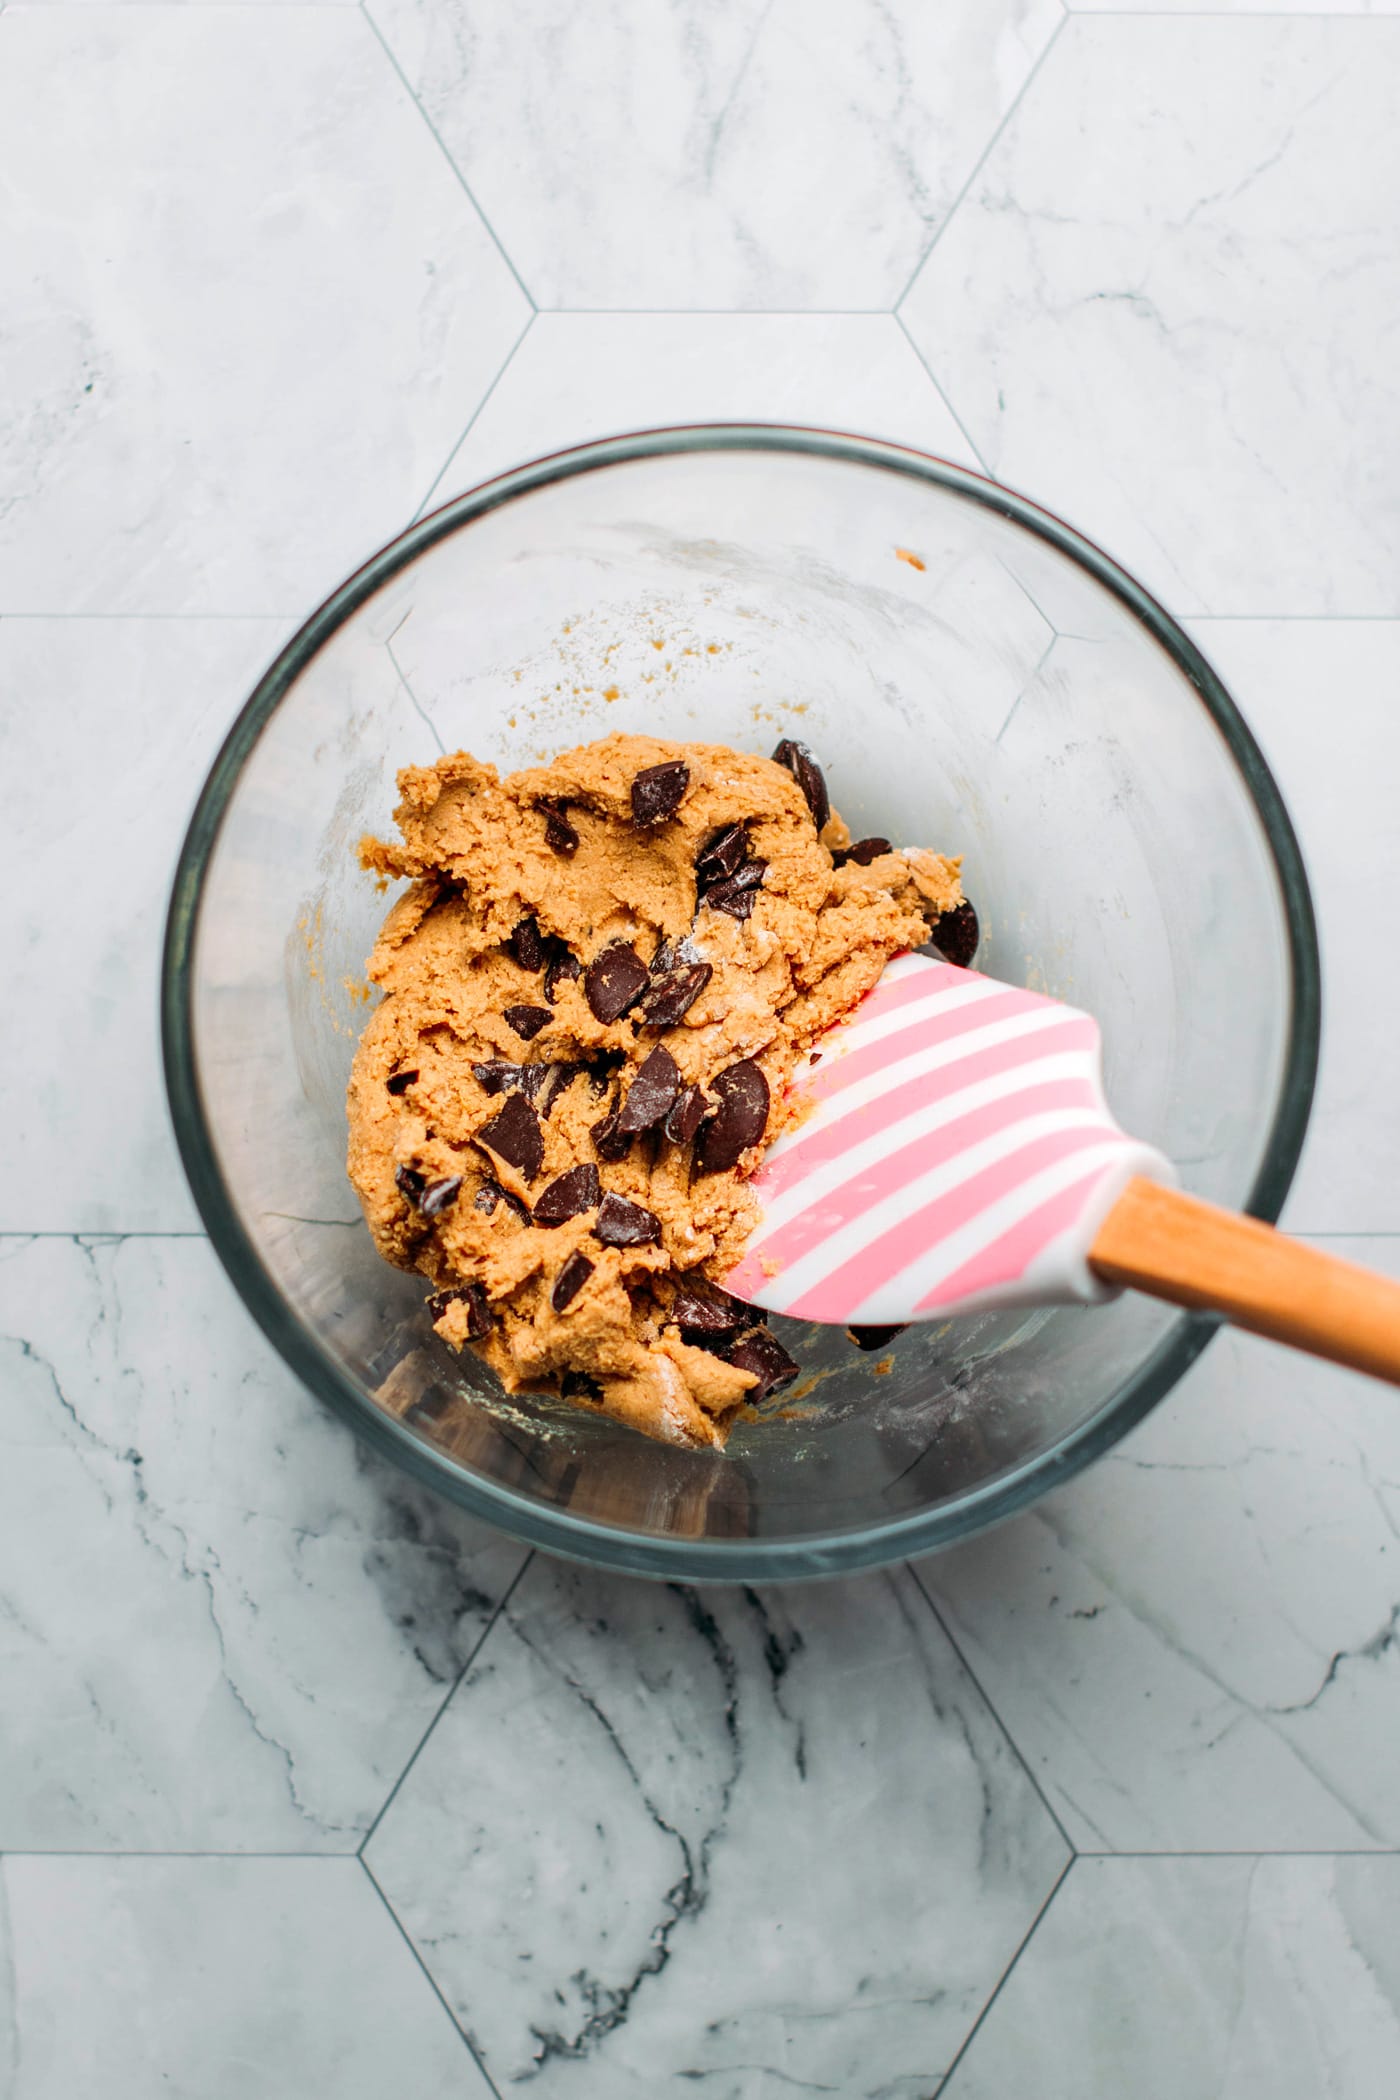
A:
{"x":874,"y":1337}
{"x":480,"y":1320}
{"x":702,"y":1310}
{"x":740,"y":1120}
{"x":439,"y":1196}
{"x":410,"y":1183}
{"x":731,"y":897}
{"x":569,"y":1195}
{"x":578,"y":1385}
{"x":808,"y":775}
{"x":400,"y":1082}
{"x":608,"y":1142}
{"x":556,"y":1079}
{"x":497,"y":1075}
{"x":657,"y":791}
{"x":570,"y":1280}
{"x":955,"y":935}
{"x":559,"y":833}
{"x":767,"y":1359}
{"x":721,"y":854}
{"x":527,"y":1021}
{"x":613,"y":981}
{"x":560,"y":968}
{"x":491,"y":1193}
{"x":651,"y":1095}
{"x":664,"y":959}
{"x":514,"y":1135}
{"x":866,"y":850}
{"x":623,"y":1224}
{"x":526,"y":946}
{"x":749,"y":874}
{"x":673,"y":996}
{"x":687,"y":1116}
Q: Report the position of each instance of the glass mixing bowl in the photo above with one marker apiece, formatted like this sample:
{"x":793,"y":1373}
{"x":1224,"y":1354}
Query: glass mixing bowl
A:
{"x":975,"y":676}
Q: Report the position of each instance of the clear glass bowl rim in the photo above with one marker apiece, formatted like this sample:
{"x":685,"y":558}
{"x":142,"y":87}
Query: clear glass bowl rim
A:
{"x":725,"y":1559}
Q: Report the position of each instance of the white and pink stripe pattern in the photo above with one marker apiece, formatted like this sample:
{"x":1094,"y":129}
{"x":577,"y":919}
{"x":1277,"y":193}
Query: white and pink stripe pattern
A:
{"x":959,"y":1155}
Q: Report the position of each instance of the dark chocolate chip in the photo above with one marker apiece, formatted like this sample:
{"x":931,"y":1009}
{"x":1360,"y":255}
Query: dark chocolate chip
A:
{"x":559,"y":833}
{"x":767,"y":1359}
{"x":526,"y":946}
{"x":657,"y":791}
{"x":749,"y":874}
{"x":439,"y":1196}
{"x":410,"y":1183}
{"x":702,"y":1309}
{"x":866,"y":850}
{"x":514,"y":1135}
{"x":623,"y":1224}
{"x":664,"y":959}
{"x":874,"y":1337}
{"x":732,"y":898}
{"x":740,"y":1121}
{"x":672,"y":996}
{"x":491,"y":1193}
{"x":527,"y":1021}
{"x":687,"y":1116}
{"x":808,"y":775}
{"x":559,"y":969}
{"x":569,"y":1195}
{"x":479,"y":1316}
{"x":400,"y":1082}
{"x":651,"y":1095}
{"x":497,"y":1075}
{"x":608,"y":1142}
{"x":556,"y":1079}
{"x":721,"y":854}
{"x":956,"y":935}
{"x":570,"y":1280}
{"x":613,"y":981}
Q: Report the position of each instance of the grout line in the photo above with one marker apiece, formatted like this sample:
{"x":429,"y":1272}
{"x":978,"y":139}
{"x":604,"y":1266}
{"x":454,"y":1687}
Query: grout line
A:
{"x":973,"y":2031}
{"x":480,"y":1643}
{"x":991,"y":1708}
{"x":467,"y":2041}
{"x":415,"y":703}
{"x":982,"y":160}
{"x":903,"y":326}
{"x":466,"y":186}
{"x":471,"y":419}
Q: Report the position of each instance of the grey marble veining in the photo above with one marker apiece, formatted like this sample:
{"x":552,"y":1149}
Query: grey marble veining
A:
{"x":757,"y":153}
{"x":1167,"y":303}
{"x":224,"y":1627}
{"x":721,"y":1839}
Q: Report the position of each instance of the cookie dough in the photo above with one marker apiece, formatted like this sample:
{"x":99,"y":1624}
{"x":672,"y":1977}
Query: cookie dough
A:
{"x":594,"y":992}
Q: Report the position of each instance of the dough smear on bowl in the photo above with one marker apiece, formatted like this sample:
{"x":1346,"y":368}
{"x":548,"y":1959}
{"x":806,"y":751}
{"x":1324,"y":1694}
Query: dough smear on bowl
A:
{"x":594,"y":992}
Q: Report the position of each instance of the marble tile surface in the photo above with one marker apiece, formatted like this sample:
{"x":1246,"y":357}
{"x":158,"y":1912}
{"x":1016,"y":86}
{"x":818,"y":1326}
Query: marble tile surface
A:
{"x":1321,"y":697}
{"x":580,"y":376}
{"x":1171,"y":1979}
{"x":249,"y":309}
{"x":703,"y":1794}
{"x":1168,"y":305}
{"x":222,"y":1625}
{"x":755,"y":153}
{"x":1197,"y":1644}
{"x":214,"y":1979}
{"x":146,"y":703}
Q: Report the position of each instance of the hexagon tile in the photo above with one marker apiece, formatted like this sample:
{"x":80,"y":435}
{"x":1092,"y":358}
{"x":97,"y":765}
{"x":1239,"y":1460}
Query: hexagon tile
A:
{"x":222,"y":1626}
{"x":1168,"y":305}
{"x":214,"y":1979}
{"x":662,"y":1837}
{"x":248,"y":308}
{"x":754,"y":153}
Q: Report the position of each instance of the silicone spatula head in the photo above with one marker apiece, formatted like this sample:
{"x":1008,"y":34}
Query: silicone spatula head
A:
{"x":956,"y":1154}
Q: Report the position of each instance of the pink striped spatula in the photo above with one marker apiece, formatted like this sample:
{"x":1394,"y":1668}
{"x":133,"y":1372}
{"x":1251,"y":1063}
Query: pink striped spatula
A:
{"x":958,"y":1154}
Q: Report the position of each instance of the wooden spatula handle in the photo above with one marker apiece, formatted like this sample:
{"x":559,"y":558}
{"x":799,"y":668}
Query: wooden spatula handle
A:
{"x":1173,"y":1246}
